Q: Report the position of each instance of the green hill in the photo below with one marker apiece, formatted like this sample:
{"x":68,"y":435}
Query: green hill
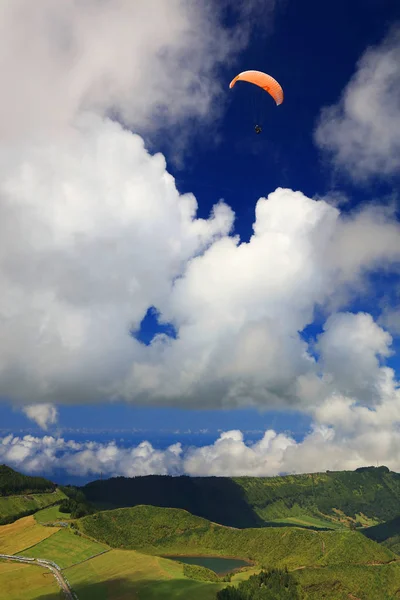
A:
{"x":164,"y":531}
{"x":22,"y":495}
{"x":363,"y":497}
{"x":15,"y":507}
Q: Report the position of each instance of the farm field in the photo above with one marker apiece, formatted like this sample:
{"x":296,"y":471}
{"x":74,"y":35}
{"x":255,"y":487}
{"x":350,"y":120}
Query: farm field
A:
{"x":66,"y":549}
{"x":36,"y":583}
{"x":22,"y":534}
{"x":126,"y":574}
{"x":51,"y":514}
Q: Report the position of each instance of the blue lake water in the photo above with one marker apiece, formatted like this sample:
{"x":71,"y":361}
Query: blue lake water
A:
{"x":217,"y":564}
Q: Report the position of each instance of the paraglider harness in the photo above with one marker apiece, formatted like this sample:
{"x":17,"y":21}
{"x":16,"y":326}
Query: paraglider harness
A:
{"x":257,"y":129}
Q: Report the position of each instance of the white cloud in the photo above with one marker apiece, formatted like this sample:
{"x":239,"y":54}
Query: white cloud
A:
{"x":343,"y":436}
{"x":151,"y":62}
{"x":96,"y":233}
{"x":43,"y":414}
{"x":345,"y":433}
{"x":390,"y":319}
{"x":362,"y":131}
{"x":351,"y":348}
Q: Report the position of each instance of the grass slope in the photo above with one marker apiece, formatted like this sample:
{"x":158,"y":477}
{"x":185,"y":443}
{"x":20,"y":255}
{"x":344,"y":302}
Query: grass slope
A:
{"x":66,"y":549}
{"x":344,"y":583}
{"x":128,"y":575}
{"x":322,"y":500}
{"x":15,"y":507}
{"x":173,"y":531}
{"x":51,"y":514}
{"x":366,"y":495}
{"x":36,"y":583}
{"x":22,"y":534}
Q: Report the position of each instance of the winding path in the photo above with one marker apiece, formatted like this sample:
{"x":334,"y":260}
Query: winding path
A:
{"x":55,"y":569}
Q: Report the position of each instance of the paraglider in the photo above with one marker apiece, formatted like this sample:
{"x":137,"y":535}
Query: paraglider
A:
{"x":264,"y":81}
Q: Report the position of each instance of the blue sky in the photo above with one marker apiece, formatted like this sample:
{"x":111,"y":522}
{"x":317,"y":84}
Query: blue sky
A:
{"x":313,"y":49}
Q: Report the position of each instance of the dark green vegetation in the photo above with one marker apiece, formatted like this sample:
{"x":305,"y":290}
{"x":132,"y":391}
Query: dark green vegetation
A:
{"x":322,"y":500}
{"x":218,"y":499}
{"x":275,"y":584}
{"x":199,"y":573}
{"x":13,"y":483}
{"x":387,"y":533}
{"x":75,"y":504}
{"x":156,"y":530}
{"x":213,"y":563}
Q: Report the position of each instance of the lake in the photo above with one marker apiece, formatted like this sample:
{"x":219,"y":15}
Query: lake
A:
{"x":215,"y":563}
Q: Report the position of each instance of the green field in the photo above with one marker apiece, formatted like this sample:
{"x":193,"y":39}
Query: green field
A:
{"x":36,"y":583}
{"x":308,"y":521}
{"x":22,"y":534}
{"x":15,"y":507}
{"x":127,"y":575}
{"x":51,"y":514}
{"x":65,"y":548}
{"x":175,"y":531}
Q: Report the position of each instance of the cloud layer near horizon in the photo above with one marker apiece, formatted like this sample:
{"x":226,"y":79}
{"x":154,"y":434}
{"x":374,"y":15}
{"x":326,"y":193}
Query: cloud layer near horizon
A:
{"x":343,"y":436}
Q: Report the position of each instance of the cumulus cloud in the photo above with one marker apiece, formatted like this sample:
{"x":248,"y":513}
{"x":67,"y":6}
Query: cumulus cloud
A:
{"x":351,"y":349}
{"x":349,"y":428}
{"x":43,"y":414}
{"x":96,"y":233}
{"x":362,"y":131}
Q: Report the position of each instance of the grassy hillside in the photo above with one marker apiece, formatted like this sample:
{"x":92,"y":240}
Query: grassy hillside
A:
{"x":124,"y":575}
{"x":173,"y":531}
{"x":51,"y":515}
{"x":352,"y":582}
{"x":321,"y":561}
{"x":15,"y":507}
{"x":363,"y":497}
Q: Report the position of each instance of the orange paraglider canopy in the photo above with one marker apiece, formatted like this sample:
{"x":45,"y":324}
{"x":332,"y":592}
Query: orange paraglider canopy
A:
{"x":268,"y":83}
